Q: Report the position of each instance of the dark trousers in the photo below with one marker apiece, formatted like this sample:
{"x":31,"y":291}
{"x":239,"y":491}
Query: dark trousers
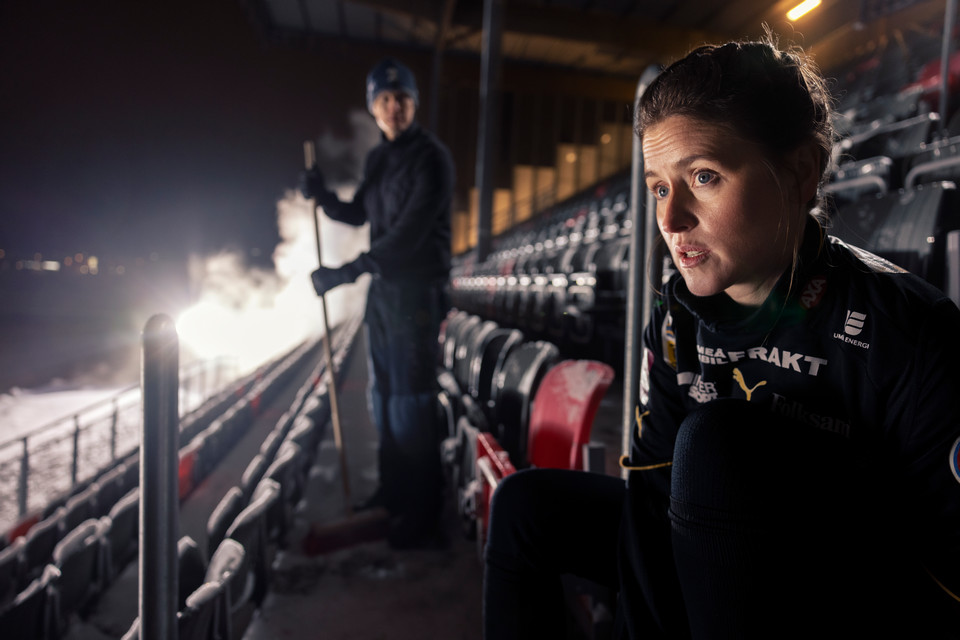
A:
{"x":770,"y":532}
{"x":403,"y":323}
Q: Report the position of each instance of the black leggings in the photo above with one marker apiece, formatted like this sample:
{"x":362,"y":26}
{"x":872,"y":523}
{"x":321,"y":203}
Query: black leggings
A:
{"x":769,"y":533}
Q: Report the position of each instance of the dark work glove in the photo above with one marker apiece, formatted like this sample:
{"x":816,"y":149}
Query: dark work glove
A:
{"x":311,"y":184}
{"x":325,"y":279}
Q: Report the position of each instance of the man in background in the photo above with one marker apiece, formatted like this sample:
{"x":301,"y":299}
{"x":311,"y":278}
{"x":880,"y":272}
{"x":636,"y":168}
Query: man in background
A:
{"x":405,"y":195}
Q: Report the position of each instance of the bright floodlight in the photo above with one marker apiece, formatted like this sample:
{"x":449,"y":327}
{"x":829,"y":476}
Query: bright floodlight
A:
{"x":802,"y":9}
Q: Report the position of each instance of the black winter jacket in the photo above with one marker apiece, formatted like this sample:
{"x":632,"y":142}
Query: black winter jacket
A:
{"x":405,"y":195}
{"x":853,"y":345}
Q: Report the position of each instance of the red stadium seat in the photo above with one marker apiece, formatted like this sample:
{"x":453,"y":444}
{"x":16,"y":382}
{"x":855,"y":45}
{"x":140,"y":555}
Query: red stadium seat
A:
{"x":563,"y":411}
{"x":493,"y":465}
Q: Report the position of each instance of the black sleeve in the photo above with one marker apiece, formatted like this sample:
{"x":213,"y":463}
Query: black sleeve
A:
{"x":660,"y":410}
{"x":931,"y":455}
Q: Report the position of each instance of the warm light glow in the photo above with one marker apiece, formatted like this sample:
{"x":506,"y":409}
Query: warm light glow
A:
{"x":802,"y":9}
{"x":571,"y":157}
{"x":606,"y":138}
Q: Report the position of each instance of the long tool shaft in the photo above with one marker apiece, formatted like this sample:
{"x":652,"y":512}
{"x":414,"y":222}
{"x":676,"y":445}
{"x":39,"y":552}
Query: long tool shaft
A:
{"x":310,"y":159}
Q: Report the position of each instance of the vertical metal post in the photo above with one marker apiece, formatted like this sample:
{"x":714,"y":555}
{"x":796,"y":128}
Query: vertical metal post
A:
{"x":950,"y":16}
{"x":24,"y":481}
{"x":76,"y":451}
{"x":637,"y":299}
{"x":489,"y":90}
{"x":159,"y":514}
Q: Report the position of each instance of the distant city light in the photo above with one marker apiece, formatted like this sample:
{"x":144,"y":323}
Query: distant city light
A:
{"x":50,"y":265}
{"x":802,"y":9}
{"x":94,"y":265}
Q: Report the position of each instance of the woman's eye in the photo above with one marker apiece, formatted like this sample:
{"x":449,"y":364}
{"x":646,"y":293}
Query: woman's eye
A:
{"x":704,"y":177}
{"x":661,"y":191}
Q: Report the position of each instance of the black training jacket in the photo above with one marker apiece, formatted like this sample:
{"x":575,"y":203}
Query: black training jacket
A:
{"x":860,"y":348}
{"x":405,"y":195}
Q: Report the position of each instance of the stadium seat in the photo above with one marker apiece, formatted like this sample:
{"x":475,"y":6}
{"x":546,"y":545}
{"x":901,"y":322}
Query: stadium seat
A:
{"x":222,"y":516}
{"x":515,"y":387}
{"x":563,"y":410}
{"x":33,"y":613}
{"x":467,"y":348}
{"x":908,"y":227}
{"x":894,"y":140}
{"x":39,"y":544}
{"x":488,"y":360}
{"x":934,"y":162}
{"x":199,"y":618}
{"x":191,"y":569}
{"x":79,"y":557}
{"x":493,"y":464}
{"x":12,"y":568}
{"x":109,"y":490}
{"x":227,"y":568}
{"x":79,"y":508}
{"x":250,"y":530}
{"x":253,"y":473}
{"x":123,"y":536}
{"x":855,"y":180}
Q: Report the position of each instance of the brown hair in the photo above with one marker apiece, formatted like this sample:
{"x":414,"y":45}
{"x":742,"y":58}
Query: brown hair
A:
{"x":776,"y":99}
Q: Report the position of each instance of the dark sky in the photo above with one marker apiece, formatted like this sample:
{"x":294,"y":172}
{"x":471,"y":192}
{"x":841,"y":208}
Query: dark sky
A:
{"x":168,"y":126}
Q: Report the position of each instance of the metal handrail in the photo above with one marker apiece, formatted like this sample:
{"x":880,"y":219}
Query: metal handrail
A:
{"x":96,"y":437}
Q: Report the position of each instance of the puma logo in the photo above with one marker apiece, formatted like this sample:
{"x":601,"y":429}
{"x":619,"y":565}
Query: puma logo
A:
{"x":743,"y":385}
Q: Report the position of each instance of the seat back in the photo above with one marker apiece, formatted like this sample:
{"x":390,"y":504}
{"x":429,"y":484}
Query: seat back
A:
{"x":40,"y":542}
{"x":250,"y":530}
{"x":123,"y":537}
{"x":32,"y":614}
{"x":493,"y":464}
{"x":223,"y":515}
{"x":253,"y":473}
{"x":563,"y":410}
{"x":191,"y":569}
{"x":12,"y":566}
{"x":79,"y":508}
{"x":199,"y":617}
{"x":109,"y":490}
{"x":450,"y":335}
{"x":908,"y":228}
{"x":467,"y":348}
{"x":515,"y":386}
{"x":79,"y":558}
{"x":227,"y":567}
{"x":488,"y":360}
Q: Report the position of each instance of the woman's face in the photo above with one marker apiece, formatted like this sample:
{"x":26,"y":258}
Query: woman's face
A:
{"x":728,"y":224}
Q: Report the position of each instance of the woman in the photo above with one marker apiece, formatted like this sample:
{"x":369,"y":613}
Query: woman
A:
{"x":793,"y":471}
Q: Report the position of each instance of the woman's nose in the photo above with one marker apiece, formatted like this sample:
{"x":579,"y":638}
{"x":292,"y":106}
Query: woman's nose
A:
{"x":675,"y":214}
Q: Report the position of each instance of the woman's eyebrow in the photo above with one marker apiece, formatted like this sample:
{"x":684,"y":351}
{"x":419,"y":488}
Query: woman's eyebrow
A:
{"x":683,"y":162}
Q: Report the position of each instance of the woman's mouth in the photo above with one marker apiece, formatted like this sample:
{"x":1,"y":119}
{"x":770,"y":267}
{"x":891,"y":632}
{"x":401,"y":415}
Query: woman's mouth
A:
{"x":690,"y":257}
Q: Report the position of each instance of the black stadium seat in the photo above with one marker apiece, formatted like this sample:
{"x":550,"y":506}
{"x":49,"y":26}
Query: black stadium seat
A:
{"x":191,"y":569}
{"x":250,"y":530}
{"x":39,"y":544}
{"x":227,"y":568}
{"x":123,"y":536}
{"x":11,"y":571}
{"x":515,"y":387}
{"x":223,"y":515}
{"x":79,"y":557}
{"x":33,"y":614}
{"x":908,"y":227}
